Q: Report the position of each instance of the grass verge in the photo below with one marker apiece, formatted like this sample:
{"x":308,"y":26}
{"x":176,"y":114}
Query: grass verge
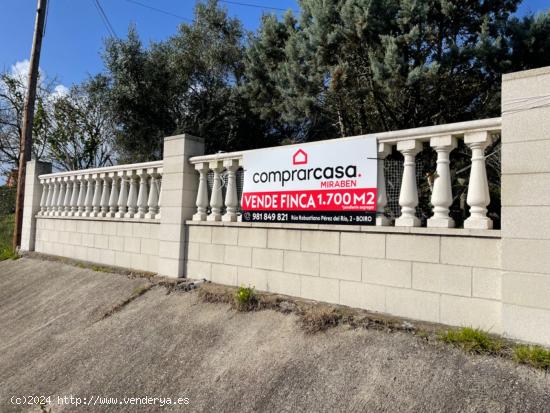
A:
{"x":6,"y":234}
{"x":472,"y":340}
{"x":535,"y":356}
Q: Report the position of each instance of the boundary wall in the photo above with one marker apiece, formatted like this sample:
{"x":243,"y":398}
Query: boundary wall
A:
{"x":495,"y":280}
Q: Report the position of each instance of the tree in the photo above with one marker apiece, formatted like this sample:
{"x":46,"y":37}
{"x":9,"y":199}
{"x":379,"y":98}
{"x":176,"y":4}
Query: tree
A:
{"x":83,"y":130}
{"x":12,"y":96}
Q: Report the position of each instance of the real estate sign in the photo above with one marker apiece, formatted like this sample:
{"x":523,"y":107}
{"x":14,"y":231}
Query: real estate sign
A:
{"x":331,"y":182}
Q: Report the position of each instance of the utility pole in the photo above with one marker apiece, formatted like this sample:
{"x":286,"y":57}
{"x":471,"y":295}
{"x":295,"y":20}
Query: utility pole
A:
{"x":25,"y":145}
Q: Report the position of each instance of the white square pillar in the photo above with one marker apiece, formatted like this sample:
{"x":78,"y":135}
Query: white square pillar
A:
{"x":31,"y":203}
{"x":178,"y":197}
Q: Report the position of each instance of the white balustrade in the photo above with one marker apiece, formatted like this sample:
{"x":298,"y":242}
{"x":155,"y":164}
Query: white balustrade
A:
{"x":442,"y":195}
{"x":442,"y":138}
{"x":478,"y":188}
{"x":125,"y":191}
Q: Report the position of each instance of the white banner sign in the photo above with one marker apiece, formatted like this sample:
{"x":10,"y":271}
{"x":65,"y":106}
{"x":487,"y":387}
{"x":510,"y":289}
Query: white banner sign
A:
{"x":331,"y":182}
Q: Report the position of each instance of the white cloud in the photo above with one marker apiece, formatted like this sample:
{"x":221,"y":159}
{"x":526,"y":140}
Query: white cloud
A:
{"x":21,"y":69}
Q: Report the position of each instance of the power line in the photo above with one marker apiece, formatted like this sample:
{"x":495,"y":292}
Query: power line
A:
{"x":105,"y":19}
{"x":238,"y":3}
{"x":159,"y":10}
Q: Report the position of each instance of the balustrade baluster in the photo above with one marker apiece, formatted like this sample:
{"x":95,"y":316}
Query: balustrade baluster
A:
{"x":478,"y":187}
{"x":382,"y":199}
{"x":82,"y":195}
{"x":114,"y":195}
{"x":216,"y":200}
{"x":96,"y":202}
{"x":153,"y":200}
{"x":202,"y":191}
{"x":143,"y":194}
{"x":408,"y":195}
{"x":231,"y":199}
{"x":54,"y":197}
{"x":159,"y":204}
{"x":122,"y":196}
{"x":60,"y":198}
{"x":442,"y":195}
{"x":74,"y":196}
{"x":132,"y":196}
{"x":44,"y":197}
{"x":88,"y":202}
{"x":68,"y":194}
{"x":105,"y":194}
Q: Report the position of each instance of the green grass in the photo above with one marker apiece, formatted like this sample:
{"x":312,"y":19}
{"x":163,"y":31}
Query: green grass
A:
{"x":535,"y":356}
{"x":6,"y":234}
{"x":245,"y":298}
{"x":472,"y":340}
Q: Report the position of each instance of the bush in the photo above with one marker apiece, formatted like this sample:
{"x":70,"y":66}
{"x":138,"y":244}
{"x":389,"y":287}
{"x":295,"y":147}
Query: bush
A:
{"x":6,"y":234}
{"x":245,"y":299}
{"x":7,"y":200}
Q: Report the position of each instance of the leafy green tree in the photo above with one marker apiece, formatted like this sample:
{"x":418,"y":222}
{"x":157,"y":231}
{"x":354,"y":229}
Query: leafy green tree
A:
{"x":83,"y":129}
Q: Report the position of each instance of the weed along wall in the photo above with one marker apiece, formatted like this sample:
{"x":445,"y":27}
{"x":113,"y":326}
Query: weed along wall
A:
{"x":350,"y":221}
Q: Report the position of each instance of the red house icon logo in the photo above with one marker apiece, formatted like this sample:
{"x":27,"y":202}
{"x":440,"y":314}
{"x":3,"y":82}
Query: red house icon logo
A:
{"x":299,"y":158}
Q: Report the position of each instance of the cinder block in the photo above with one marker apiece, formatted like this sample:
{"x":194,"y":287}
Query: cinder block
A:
{"x":471,"y":251}
{"x":174,"y":268}
{"x":211,"y":253}
{"x":487,"y":283}
{"x":447,"y":279}
{"x":224,"y":274}
{"x":92,"y":254}
{"x":108,"y":228}
{"x":152,"y":263}
{"x":124,"y":229}
{"x":301,"y":262}
{"x":336,"y":266}
{"x":123,"y":259}
{"x":528,"y":324}
{"x":197,"y":269}
{"x":200,"y":234}
{"x":320,"y":289}
{"x":83,"y":226}
{"x":321,"y":241}
{"x":414,"y":304}
{"x":173,"y":232}
{"x":253,"y":237}
{"x":360,"y":295}
{"x":150,"y":246}
{"x":387,"y":272}
{"x":241,"y":256}
{"x":521,"y":158}
{"x":132,"y":244}
{"x":154,"y":230}
{"x":284,"y":239}
{"x":116,"y":243}
{"x":75,"y":238}
{"x":101,"y":241}
{"x":267,"y":259}
{"x":80,"y":253}
{"x":412,"y":247}
{"x":532,"y":222}
{"x":471,"y":312}
{"x":107,"y":256}
{"x":96,"y":228}
{"x":170,"y":249}
{"x":525,"y":189}
{"x":88,"y":240}
{"x":253,"y":277}
{"x":527,"y":290}
{"x":193,"y":251}
{"x":225,"y":235}
{"x":363,"y":245}
{"x":524,"y":255}
{"x":283,"y":283}
{"x":68,"y":225}
{"x":142,"y":230}
{"x":63,"y":237}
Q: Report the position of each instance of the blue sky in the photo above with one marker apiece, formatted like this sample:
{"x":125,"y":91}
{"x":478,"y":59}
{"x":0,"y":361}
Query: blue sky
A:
{"x":75,"y":31}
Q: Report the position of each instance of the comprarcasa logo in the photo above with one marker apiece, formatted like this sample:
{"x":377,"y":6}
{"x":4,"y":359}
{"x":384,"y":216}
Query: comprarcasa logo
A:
{"x":305,"y":174}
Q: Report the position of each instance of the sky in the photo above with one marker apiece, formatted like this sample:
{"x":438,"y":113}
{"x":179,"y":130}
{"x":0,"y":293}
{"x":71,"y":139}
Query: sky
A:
{"x":75,"y":31}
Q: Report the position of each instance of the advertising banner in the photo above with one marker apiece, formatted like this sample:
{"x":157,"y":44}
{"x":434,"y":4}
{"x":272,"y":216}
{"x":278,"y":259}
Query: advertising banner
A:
{"x":331,"y":182}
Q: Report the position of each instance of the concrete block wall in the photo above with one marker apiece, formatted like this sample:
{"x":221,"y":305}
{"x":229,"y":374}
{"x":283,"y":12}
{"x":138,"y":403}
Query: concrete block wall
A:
{"x":133,"y":245}
{"x":526,"y":205}
{"x":415,"y":273}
